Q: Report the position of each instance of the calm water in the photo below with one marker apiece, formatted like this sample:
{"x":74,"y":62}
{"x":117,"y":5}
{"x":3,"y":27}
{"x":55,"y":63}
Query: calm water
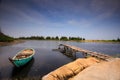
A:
{"x":45,"y":60}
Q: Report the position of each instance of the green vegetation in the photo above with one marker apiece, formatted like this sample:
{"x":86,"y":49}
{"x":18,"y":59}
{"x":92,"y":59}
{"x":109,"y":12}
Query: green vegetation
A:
{"x":117,"y":40}
{"x":33,"y":38}
{"x":5,"y":38}
{"x":63,"y":38}
{"x":76,"y":38}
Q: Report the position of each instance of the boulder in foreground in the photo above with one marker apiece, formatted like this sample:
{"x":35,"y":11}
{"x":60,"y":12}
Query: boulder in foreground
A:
{"x":102,"y":71}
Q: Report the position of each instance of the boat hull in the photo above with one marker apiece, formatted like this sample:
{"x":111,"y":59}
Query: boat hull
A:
{"x":22,"y":62}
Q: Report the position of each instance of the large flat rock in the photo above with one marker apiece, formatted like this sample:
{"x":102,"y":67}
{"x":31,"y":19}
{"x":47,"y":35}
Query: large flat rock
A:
{"x":102,"y":71}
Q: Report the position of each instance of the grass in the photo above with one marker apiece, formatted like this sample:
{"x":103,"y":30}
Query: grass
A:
{"x":5,"y":38}
{"x":97,"y":41}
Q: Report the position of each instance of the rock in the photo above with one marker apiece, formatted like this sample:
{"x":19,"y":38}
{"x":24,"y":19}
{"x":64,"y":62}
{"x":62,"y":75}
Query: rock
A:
{"x":70,"y":69}
{"x":102,"y":71}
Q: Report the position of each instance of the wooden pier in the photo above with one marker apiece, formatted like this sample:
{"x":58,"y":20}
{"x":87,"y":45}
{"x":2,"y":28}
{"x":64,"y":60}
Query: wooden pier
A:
{"x":72,"y":50}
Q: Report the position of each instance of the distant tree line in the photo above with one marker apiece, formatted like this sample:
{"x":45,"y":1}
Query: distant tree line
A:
{"x":52,"y":38}
{"x":117,"y":40}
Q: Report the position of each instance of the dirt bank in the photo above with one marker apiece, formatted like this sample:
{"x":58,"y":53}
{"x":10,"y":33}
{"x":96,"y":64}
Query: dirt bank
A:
{"x":11,"y":43}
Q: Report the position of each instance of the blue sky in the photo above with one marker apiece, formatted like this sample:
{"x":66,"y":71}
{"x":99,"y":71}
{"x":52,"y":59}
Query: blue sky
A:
{"x":91,"y":19}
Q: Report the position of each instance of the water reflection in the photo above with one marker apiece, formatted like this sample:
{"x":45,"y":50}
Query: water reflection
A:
{"x":69,"y":53}
{"x":45,"y":60}
{"x":22,"y":72}
{"x":0,"y":76}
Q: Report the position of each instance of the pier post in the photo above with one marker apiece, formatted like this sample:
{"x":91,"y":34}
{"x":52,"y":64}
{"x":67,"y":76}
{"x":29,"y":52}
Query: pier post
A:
{"x":84,"y":54}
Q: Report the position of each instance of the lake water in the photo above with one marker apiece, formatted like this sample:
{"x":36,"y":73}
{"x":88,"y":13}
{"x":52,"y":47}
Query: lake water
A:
{"x":45,"y":59}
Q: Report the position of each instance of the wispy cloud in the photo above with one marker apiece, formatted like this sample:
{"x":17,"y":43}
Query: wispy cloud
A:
{"x":73,"y":17}
{"x":23,"y":14}
{"x":82,"y":23}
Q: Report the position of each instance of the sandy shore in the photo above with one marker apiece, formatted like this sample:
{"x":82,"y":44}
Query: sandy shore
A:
{"x":11,"y":43}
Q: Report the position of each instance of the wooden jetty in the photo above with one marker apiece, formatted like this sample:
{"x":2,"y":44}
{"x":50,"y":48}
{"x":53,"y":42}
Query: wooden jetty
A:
{"x":72,"y":50}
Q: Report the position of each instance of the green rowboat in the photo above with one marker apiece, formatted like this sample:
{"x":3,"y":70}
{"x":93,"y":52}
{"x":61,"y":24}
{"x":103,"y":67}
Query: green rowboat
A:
{"x":22,"y":57}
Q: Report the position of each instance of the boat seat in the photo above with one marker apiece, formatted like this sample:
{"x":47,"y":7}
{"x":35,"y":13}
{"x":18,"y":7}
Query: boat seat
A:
{"x":23,"y":55}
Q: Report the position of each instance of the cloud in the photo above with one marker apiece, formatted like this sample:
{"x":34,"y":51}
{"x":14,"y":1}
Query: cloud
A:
{"x":21,"y":13}
{"x":62,"y":8}
{"x":82,"y":23}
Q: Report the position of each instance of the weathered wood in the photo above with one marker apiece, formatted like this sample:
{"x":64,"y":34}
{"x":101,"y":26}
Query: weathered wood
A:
{"x":68,"y":49}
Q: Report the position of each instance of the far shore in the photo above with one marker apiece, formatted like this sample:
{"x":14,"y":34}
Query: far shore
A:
{"x":101,"y":41}
{"x":96,"y":41}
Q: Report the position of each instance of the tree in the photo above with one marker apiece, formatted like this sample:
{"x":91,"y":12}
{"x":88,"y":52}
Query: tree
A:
{"x":56,"y":38}
{"x":52,"y":38}
{"x":5,"y":38}
{"x":83,"y":39}
{"x":41,"y":38}
{"x":48,"y":38}
{"x":118,"y":39}
{"x":64,"y":38}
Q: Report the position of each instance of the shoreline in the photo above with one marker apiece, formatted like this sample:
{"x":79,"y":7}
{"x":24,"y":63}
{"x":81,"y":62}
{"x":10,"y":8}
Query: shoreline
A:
{"x":100,"y":41}
{"x":97,"y":41}
{"x":11,"y":43}
{"x":87,"y":41}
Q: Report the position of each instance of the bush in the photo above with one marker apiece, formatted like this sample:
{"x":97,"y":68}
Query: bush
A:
{"x":4,"y":38}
